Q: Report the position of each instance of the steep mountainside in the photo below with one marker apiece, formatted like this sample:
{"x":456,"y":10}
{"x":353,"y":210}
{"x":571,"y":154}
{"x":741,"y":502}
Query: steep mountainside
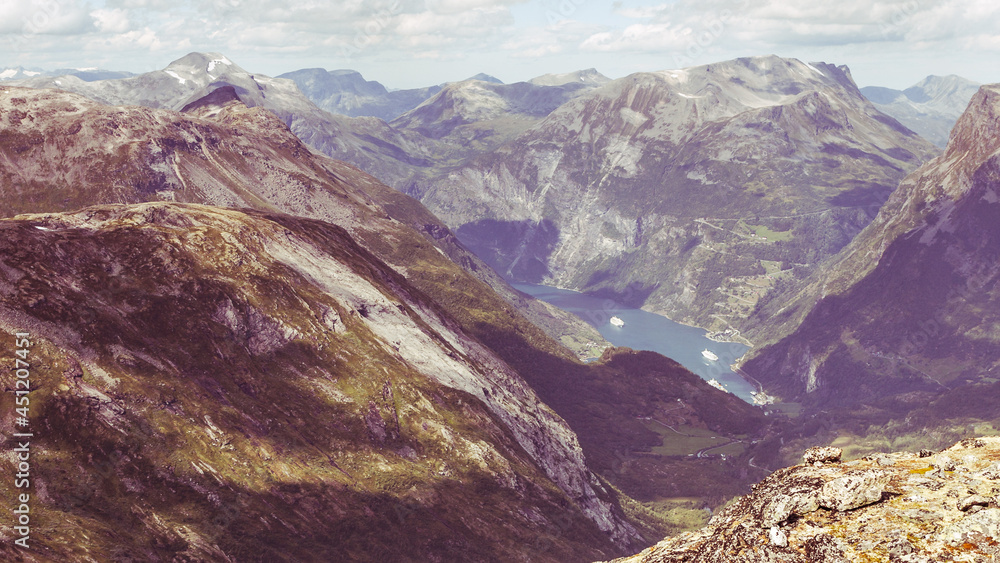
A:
{"x":913,"y":507}
{"x":347,"y":92}
{"x":907,"y":316}
{"x":685,"y":191}
{"x":59,"y":151}
{"x":930,"y":107}
{"x":212,"y":384}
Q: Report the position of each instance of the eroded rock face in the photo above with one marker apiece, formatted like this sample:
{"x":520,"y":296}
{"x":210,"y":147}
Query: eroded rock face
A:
{"x":822,"y":455}
{"x":912,"y":509}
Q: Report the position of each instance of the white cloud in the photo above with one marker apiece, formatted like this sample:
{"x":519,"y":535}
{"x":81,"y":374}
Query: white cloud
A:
{"x":460,"y":6}
{"x":640,"y":37}
{"x":111,"y":21}
{"x":145,"y":39}
{"x":476,"y":22}
{"x":43,"y":17}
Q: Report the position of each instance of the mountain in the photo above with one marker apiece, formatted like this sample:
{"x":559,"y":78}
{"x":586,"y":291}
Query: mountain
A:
{"x":61,"y":152}
{"x":926,"y":506}
{"x":85,"y":74}
{"x":483,"y":77}
{"x":19,"y":73}
{"x":589,"y":76}
{"x":473,"y":117}
{"x":688,"y":192}
{"x":69,"y":152}
{"x":900,"y":329}
{"x":347,"y":92}
{"x":365,"y":142}
{"x":930,"y":107}
{"x":215,"y":384}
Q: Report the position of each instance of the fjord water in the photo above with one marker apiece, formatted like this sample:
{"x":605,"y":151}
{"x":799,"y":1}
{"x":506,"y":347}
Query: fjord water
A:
{"x":647,"y":331}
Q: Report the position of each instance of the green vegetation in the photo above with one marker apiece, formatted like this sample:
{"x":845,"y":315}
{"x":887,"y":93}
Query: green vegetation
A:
{"x":194,"y":435}
{"x":689,"y":440}
{"x":767,"y":234}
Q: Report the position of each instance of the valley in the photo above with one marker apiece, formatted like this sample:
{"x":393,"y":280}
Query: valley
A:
{"x":376,"y":324}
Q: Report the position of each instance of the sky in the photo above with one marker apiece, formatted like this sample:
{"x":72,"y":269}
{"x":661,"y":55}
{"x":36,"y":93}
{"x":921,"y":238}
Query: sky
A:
{"x":414,"y":43}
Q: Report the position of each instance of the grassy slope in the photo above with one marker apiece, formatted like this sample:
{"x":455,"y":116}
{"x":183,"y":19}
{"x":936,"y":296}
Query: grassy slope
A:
{"x":160,"y":435}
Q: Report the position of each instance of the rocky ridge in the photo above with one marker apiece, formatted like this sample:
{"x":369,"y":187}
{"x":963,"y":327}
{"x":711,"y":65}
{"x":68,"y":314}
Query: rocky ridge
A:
{"x":61,"y":152}
{"x":906,"y":507}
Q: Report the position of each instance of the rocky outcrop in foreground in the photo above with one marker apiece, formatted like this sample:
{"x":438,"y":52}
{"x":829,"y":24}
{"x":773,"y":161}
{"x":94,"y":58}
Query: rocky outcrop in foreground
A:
{"x":914,"y":507}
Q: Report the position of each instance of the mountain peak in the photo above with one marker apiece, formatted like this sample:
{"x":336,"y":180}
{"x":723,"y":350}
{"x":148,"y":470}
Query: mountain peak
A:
{"x":975,"y":132}
{"x":196,"y":63}
{"x":485,"y":78}
{"x":588,"y":76}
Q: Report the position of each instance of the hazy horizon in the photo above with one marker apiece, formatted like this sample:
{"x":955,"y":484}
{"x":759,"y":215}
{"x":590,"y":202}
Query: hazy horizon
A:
{"x":407,"y":43}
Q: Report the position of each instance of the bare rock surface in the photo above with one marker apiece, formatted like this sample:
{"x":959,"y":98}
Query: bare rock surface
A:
{"x":937,"y":507}
{"x":822,"y":455}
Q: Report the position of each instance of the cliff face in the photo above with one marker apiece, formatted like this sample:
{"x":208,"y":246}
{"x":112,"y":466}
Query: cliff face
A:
{"x":916,"y":507}
{"x":223,"y":385}
{"x":911,"y":304}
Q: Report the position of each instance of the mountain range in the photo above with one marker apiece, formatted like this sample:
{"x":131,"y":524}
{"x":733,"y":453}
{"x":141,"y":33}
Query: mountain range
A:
{"x":60,"y":152}
{"x":686,"y":192}
{"x":346,"y":92}
{"x":85,"y":74}
{"x":311,"y":340}
{"x":930,"y":107}
{"x":693,"y":193}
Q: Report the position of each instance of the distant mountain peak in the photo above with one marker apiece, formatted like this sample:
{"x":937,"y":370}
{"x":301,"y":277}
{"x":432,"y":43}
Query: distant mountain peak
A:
{"x":588,"y":76}
{"x":486,"y":78}
{"x":212,"y":63}
{"x":929,"y":107}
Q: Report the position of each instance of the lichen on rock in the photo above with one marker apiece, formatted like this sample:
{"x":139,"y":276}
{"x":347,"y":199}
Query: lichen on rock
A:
{"x":913,"y":509}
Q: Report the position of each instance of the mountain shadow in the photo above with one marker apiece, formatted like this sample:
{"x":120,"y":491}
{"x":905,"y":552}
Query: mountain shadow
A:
{"x":518,"y":250}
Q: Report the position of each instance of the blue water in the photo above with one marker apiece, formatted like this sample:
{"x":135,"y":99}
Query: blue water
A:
{"x":647,"y":331}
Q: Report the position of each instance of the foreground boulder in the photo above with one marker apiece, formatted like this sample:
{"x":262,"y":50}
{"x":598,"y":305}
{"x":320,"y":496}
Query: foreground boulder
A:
{"x":894,"y":507}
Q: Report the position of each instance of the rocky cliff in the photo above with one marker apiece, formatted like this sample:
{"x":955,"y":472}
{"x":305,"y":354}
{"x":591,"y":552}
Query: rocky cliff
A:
{"x":907,"y":506}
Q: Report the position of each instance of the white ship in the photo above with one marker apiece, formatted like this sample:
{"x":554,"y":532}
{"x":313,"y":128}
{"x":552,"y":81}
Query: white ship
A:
{"x":715,"y":383}
{"x":709,"y":354}
{"x":617,"y":322}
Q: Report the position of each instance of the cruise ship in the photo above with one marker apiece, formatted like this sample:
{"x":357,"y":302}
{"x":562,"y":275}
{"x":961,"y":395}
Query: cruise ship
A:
{"x":617,"y":322}
{"x":715,"y":383}
{"x":709,"y":354}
